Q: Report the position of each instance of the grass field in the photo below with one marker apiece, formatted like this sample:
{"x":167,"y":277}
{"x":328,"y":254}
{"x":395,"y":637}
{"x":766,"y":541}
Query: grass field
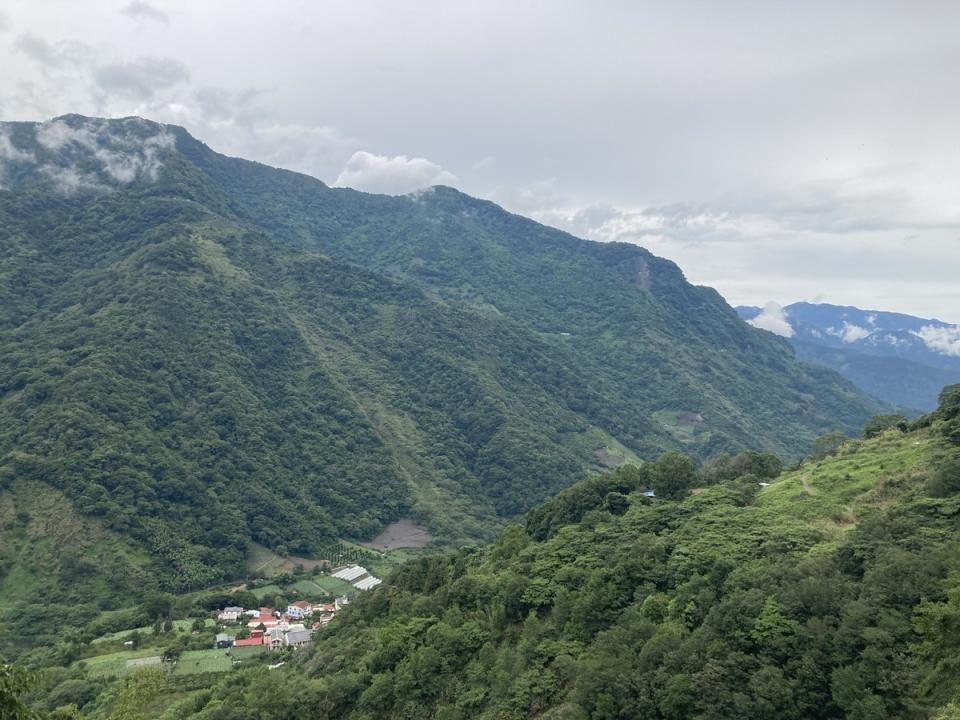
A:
{"x":180,"y":626}
{"x":332,"y":585}
{"x":114,"y":664}
{"x":309,"y":588}
{"x":193,"y":662}
{"x":263,"y":562}
{"x":245,"y":653}
{"x":261,"y":592}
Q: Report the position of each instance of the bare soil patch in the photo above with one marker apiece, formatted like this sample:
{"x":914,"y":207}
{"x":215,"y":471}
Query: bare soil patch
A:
{"x":403,"y":533}
{"x":607,"y":459}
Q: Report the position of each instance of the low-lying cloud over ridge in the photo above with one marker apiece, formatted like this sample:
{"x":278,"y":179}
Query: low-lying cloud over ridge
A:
{"x":391,"y":175}
{"x":773,"y":318}
{"x":125,"y":152}
{"x":944,"y":340}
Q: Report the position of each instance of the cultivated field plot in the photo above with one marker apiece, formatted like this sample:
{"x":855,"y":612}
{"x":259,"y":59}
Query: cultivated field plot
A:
{"x":261,"y":592}
{"x":179,"y":626}
{"x":332,"y":585}
{"x":194,"y":662}
{"x":114,"y":664}
{"x":245,"y":653}
{"x":309,"y":588}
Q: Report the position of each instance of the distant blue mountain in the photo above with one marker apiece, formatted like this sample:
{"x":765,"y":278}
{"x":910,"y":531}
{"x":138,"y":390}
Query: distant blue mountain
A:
{"x":901,"y":359}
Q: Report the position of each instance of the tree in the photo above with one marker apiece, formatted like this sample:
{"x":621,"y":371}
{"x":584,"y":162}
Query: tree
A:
{"x":158,"y":605}
{"x":828,"y":444}
{"x":946,"y":480}
{"x":14,"y":681}
{"x":949,"y":402}
{"x":881,"y":423}
{"x":616,"y":503}
{"x":66,"y":712}
{"x":139,"y":694}
{"x":672,"y":475}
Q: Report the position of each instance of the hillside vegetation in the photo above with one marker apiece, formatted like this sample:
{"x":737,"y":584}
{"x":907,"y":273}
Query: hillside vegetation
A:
{"x":199,"y":352}
{"x":832,"y":590}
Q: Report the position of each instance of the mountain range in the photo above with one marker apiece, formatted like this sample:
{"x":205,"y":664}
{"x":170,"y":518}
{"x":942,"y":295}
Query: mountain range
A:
{"x":201,"y":351}
{"x":900,"y":359}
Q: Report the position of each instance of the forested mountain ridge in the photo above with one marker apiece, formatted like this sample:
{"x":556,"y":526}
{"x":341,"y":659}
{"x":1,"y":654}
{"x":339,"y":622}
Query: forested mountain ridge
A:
{"x":673,"y":349}
{"x":199,"y":351}
{"x":900,"y":359}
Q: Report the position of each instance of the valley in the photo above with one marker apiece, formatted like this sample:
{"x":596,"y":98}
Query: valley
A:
{"x":227,"y":386}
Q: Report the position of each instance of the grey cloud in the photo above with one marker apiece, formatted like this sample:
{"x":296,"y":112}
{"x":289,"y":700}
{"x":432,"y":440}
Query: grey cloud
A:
{"x":140,"y":79}
{"x":4,"y":22}
{"x":62,"y":54}
{"x":140,"y":10}
{"x":9,"y":152}
{"x":767,"y":157}
{"x":241,"y":107}
{"x":236,"y":122}
{"x":57,"y":134}
{"x":70,"y":180}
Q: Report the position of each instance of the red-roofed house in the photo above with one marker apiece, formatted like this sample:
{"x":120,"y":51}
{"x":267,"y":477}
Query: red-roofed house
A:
{"x":256,"y":639}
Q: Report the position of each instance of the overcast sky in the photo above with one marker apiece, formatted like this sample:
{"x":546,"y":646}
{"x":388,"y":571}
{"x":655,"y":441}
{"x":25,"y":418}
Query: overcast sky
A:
{"x":776,"y":151}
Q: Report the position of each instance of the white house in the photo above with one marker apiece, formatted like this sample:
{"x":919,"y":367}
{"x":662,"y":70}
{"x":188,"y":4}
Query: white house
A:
{"x":230,"y":614}
{"x":299,"y":610}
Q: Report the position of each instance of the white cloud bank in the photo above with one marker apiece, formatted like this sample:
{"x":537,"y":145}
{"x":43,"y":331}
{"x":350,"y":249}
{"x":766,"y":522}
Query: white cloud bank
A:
{"x":773,"y":318}
{"x":944,"y":340}
{"x":391,"y":175}
{"x":850,"y":332}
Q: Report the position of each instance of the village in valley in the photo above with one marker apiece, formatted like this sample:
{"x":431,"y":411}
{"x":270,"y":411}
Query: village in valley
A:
{"x":271,"y":629}
{"x":218,"y":630}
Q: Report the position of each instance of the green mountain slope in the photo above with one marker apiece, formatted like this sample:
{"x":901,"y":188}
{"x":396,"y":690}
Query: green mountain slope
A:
{"x":199,"y":351}
{"x":630,"y":318}
{"x":831,"y":592}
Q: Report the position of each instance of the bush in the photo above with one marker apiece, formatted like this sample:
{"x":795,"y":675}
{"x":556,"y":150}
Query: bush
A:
{"x":946,"y":480}
{"x":673,"y":475}
{"x":949,"y":402}
{"x":881,"y":423}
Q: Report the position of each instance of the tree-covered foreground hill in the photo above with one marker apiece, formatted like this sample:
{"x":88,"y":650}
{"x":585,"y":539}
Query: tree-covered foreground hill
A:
{"x":198,"y":351}
{"x":830,"y":591}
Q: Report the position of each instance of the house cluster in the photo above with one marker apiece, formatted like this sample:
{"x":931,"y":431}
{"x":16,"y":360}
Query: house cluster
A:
{"x":357,"y":576}
{"x":273,"y":629}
